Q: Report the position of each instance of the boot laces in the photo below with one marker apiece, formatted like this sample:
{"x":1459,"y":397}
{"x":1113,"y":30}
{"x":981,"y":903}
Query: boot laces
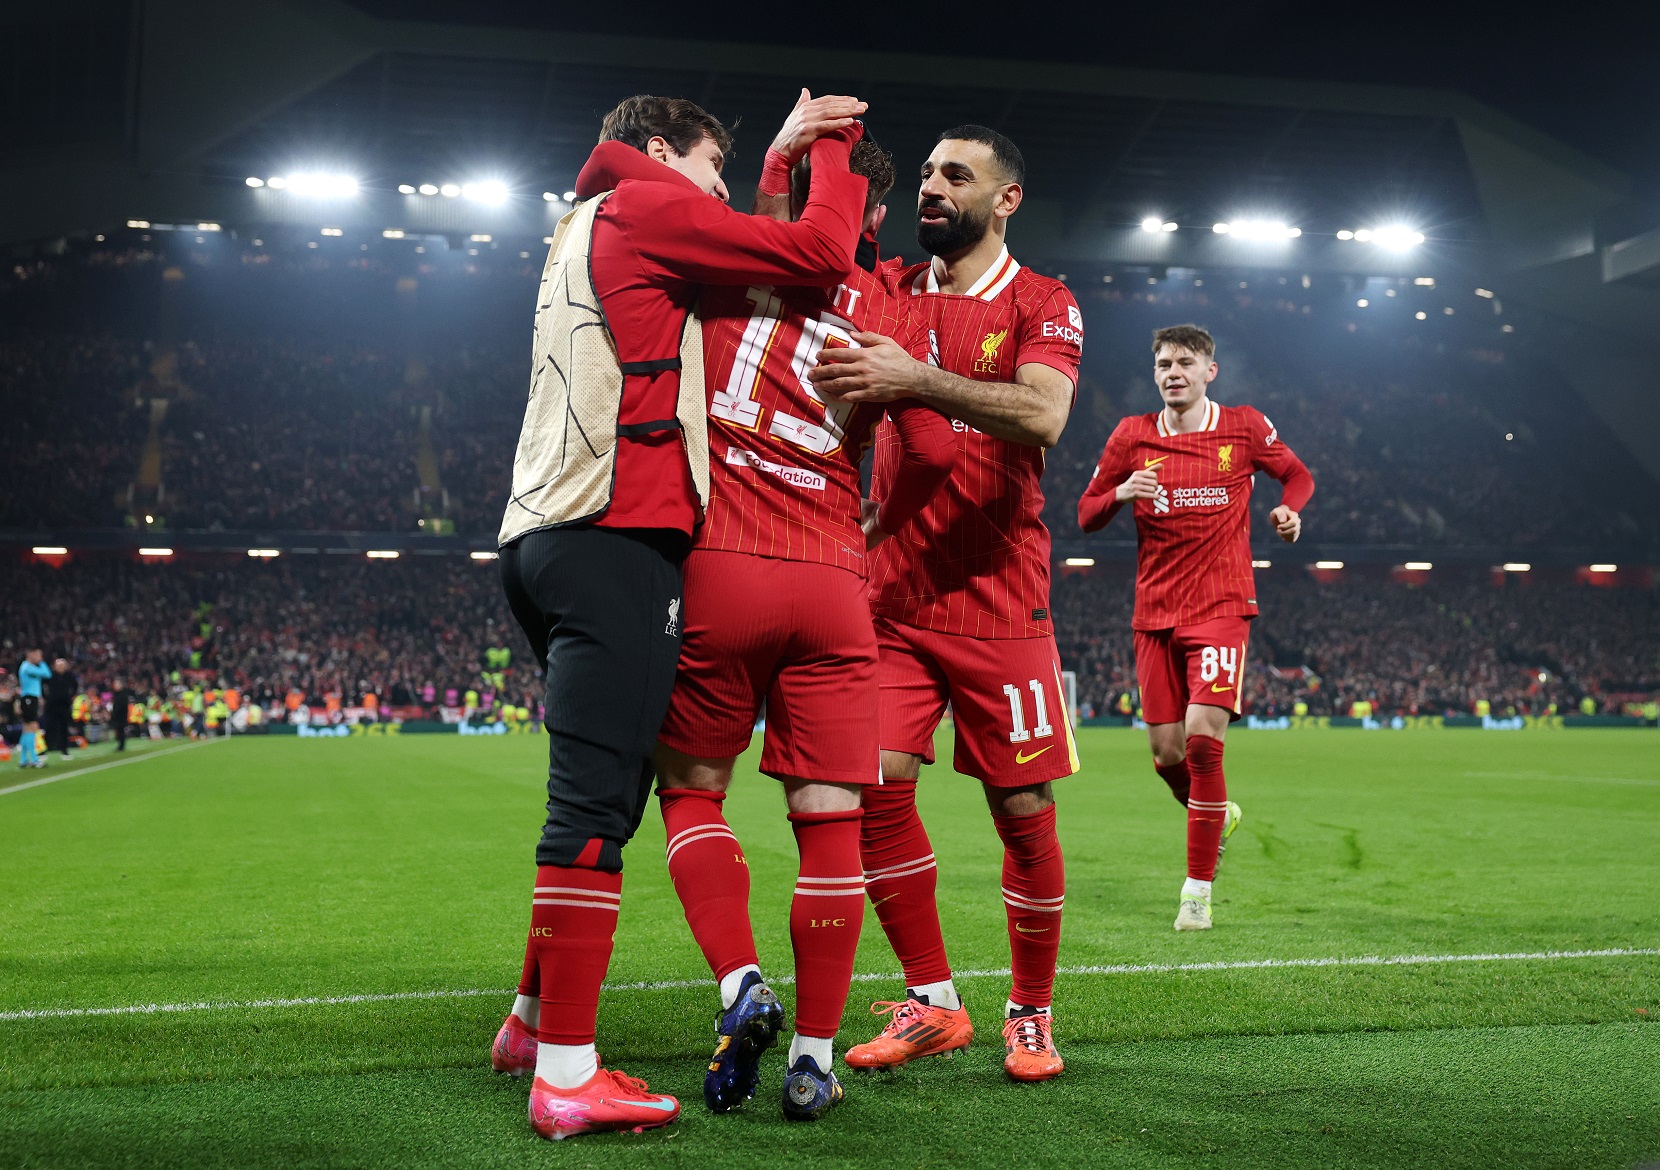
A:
{"x":1030,"y":1033}
{"x":905,"y":1012}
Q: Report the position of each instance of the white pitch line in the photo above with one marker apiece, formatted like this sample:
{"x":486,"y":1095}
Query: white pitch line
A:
{"x":1545,"y":776}
{"x":78,"y":772}
{"x":146,"y":1009}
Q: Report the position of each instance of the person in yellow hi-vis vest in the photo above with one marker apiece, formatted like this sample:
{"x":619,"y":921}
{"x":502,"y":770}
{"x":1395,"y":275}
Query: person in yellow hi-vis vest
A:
{"x":1361,"y":709}
{"x":1587,"y":706}
{"x":1299,"y":708}
{"x":1483,"y":708}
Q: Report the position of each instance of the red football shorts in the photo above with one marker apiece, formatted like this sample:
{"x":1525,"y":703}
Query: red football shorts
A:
{"x":1006,"y":699}
{"x":796,"y":634}
{"x":1192,"y":664}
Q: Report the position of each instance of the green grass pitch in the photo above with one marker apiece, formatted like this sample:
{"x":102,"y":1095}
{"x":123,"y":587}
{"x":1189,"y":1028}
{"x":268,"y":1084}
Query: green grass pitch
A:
{"x":278,"y":869}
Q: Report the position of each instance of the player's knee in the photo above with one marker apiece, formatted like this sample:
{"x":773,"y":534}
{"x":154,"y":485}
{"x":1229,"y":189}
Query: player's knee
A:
{"x":901,"y":766}
{"x":1168,"y":755}
{"x":677,"y":770}
{"x":1019,"y":802}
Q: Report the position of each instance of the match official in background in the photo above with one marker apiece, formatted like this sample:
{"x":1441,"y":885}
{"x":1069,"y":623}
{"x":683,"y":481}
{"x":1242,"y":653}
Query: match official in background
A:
{"x":120,"y":704}
{"x":61,"y":689}
{"x":32,"y":673}
{"x":609,"y":482}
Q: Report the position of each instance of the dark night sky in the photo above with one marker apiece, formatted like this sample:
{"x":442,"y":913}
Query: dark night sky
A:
{"x":1590,"y":76}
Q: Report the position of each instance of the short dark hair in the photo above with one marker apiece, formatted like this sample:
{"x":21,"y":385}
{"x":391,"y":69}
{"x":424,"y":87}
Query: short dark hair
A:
{"x":867,"y":159}
{"x":681,"y":123}
{"x":1003,"y":149}
{"x":1189,"y":337}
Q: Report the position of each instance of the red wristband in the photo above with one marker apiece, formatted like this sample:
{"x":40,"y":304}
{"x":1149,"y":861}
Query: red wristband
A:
{"x":775,"y":173}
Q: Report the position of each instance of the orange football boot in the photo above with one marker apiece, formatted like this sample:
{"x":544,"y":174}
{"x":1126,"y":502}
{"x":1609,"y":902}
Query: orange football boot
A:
{"x":1031,"y":1048}
{"x":916,"y":1030}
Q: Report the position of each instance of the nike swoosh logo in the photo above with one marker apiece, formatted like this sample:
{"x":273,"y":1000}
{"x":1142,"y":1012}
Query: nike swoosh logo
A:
{"x":1031,"y":929}
{"x":1146,"y":463}
{"x":1218,"y":690}
{"x":1023,"y":758}
{"x":879,"y":901}
{"x":665,"y":1106}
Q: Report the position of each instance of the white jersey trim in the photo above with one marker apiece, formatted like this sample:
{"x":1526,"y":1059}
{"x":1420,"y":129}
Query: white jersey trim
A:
{"x":992,"y":282}
{"x":1213,"y":415}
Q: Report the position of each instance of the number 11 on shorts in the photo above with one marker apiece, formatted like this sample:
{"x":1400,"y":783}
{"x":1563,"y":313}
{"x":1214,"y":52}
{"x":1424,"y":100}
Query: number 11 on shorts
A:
{"x":1020,"y":733}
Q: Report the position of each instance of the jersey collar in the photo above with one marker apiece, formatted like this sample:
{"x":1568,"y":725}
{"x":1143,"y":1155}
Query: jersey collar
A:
{"x":992,"y":282}
{"x":1213,"y":415}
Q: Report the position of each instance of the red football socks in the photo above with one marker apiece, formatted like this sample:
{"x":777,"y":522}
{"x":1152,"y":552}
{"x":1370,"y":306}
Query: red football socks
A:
{"x":709,"y":872}
{"x":1176,"y":775}
{"x":529,"y":984}
{"x":1207,"y":806}
{"x":573,"y":919}
{"x":825,"y":917}
{"x":1034,"y":889}
{"x":902,"y":878}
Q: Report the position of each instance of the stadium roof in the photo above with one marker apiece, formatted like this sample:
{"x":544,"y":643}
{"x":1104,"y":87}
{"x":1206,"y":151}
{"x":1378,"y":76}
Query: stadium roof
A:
{"x":163,"y":108}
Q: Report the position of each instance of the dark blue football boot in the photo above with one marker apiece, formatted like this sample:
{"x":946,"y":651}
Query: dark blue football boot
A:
{"x":810,"y":1093}
{"x":745,"y":1030}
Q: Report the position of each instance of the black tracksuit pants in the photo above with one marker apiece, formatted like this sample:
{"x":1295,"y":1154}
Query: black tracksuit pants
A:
{"x":601,"y":608}
{"x":56,"y":727}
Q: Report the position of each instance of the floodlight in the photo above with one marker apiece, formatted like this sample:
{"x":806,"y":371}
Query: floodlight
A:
{"x":1424,"y":281}
{"x":322,"y":185}
{"x":405,"y":189}
{"x":481,"y":237}
{"x":1363,"y":234}
{"x":138,"y":223}
{"x":449,"y":190}
{"x":276,"y":182}
{"x":254,"y":181}
{"x":1516,"y":567}
{"x":1421,"y":315}
{"x":392,"y":234}
{"x":1397,"y":237}
{"x":155,"y":552}
{"x":1418,"y":566}
{"x":1605,"y":568}
{"x":49,"y":550}
{"x":550,"y":197}
{"x":1345,"y":234}
{"x":484,"y":556}
{"x":383,"y":554}
{"x":1328,"y":564}
{"x":209,"y":227}
{"x":1257,"y":229}
{"x":1080,"y":562}
{"x":1483,"y":292}
{"x":570,"y":196}
{"x":334,"y":231}
{"x":264,"y":554}
{"x":1152,"y":223}
{"x":1262,"y":564}
{"x":1362,"y":303}
{"x":428,"y":189}
{"x":492,"y":191}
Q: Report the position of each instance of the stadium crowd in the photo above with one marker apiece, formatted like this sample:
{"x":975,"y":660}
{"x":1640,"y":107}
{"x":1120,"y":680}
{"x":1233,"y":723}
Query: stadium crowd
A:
{"x":417,"y":633}
{"x":1439,"y":432}
{"x":1442,"y":647}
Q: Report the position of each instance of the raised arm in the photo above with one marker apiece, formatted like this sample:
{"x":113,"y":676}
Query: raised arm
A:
{"x":701,"y":240}
{"x":811,"y":119}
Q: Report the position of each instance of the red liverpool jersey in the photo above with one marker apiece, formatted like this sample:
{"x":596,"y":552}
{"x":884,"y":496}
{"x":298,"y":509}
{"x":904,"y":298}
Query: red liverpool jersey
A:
{"x":784,"y":466}
{"x":975,"y":561}
{"x":1193,"y":542}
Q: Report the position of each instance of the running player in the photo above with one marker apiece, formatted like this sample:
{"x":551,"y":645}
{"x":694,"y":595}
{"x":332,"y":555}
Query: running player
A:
{"x":962,"y":598}
{"x":1186,"y":472}
{"x":776,"y":611}
{"x":32,"y":674}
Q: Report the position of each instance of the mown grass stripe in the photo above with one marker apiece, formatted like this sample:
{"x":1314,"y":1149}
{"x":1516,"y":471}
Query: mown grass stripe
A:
{"x":144,"y":1009}
{"x":136,"y":758}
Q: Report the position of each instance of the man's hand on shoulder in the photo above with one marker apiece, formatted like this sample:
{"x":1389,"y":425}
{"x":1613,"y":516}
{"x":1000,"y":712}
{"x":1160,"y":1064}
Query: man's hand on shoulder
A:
{"x":1287,"y":523}
{"x":878,"y":370}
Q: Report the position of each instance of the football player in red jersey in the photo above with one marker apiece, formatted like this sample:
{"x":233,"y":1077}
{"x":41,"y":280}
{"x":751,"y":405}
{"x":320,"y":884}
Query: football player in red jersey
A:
{"x":776,"y":612}
{"x":1186,"y":472}
{"x":962,"y":597}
